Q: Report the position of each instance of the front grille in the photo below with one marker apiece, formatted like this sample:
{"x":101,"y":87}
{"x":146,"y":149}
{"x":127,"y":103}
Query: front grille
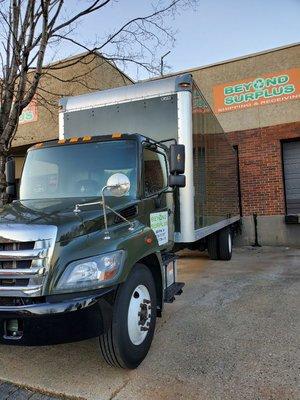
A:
{"x":25,"y":252}
{"x":14,"y":282}
{"x":17,"y":246}
{"x":18,"y":263}
{"x":23,"y":266}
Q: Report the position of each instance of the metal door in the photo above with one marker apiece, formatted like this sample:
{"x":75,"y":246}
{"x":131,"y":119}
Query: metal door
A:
{"x":291,"y":163}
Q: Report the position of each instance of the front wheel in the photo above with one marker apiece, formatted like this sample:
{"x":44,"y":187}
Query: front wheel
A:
{"x":127,"y":342}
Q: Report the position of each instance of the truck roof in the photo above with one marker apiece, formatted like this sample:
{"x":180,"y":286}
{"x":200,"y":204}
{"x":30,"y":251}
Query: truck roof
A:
{"x":122,"y":94}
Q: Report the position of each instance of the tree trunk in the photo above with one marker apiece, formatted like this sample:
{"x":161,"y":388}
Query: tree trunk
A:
{"x":3,"y":195}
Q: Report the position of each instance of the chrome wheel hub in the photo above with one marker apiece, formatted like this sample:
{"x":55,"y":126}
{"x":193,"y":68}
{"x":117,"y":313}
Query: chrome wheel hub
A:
{"x":139,"y":315}
{"x":229,"y":243}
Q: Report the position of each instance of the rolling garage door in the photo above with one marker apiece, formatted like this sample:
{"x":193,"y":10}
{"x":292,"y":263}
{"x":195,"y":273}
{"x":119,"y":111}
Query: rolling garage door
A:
{"x":291,"y":162}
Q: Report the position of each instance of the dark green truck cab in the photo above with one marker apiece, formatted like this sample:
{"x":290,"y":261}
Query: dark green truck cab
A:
{"x":86,"y":250}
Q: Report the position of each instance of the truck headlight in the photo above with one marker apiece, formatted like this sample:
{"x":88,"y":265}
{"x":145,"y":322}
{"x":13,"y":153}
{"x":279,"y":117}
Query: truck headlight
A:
{"x":92,"y":272}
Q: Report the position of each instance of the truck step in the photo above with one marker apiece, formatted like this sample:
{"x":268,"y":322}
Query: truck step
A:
{"x":169,"y":257}
{"x":173,"y":290}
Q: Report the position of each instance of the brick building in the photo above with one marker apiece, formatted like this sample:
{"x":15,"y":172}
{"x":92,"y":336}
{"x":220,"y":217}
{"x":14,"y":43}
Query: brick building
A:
{"x":257,"y":101}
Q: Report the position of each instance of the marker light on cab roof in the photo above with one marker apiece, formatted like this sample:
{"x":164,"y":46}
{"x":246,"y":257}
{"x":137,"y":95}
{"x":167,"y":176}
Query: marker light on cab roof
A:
{"x":116,"y":135}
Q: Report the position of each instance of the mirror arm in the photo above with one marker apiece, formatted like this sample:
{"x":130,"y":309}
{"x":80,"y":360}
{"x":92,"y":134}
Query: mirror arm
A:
{"x":170,"y":190}
{"x":77,"y":206}
{"x":121,"y":216}
{"x":105,"y":207}
{"x":164,"y":191}
{"x":106,"y":235}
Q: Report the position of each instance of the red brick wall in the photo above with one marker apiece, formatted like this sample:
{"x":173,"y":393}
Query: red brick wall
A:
{"x":260,"y":162}
{"x":217,"y":195}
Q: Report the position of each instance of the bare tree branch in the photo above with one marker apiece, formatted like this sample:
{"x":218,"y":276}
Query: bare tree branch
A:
{"x":28,"y":28}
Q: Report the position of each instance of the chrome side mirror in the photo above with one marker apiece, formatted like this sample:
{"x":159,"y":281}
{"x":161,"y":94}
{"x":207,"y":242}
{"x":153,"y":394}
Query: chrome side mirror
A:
{"x":177,"y":181}
{"x":10,"y":178}
{"x":177,"y":159}
{"x":118,"y":185}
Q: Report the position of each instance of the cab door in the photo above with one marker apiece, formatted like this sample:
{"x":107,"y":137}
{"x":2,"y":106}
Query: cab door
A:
{"x":158,"y":205}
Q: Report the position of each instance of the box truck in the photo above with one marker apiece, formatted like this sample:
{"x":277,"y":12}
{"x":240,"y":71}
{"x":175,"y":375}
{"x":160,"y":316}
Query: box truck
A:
{"x":89,"y":247}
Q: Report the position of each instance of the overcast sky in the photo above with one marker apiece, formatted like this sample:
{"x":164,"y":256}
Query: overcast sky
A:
{"x":217,"y":30}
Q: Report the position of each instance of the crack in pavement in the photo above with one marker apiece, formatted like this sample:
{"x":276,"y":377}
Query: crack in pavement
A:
{"x":118,"y":390}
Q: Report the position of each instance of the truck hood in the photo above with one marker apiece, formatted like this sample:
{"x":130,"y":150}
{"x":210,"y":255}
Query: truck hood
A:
{"x":59,"y":212}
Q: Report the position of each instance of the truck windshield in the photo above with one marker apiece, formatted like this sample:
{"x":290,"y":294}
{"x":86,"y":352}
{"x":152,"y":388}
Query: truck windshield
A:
{"x":77,"y":170}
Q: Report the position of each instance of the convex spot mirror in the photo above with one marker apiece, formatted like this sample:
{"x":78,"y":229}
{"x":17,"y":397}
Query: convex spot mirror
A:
{"x":177,"y":159}
{"x":118,"y":185}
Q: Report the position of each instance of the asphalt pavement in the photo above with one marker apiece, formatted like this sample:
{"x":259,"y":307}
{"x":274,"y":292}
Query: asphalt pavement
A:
{"x":233,"y":334}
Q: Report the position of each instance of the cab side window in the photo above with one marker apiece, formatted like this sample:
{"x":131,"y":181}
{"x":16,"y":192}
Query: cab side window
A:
{"x":155,"y":172}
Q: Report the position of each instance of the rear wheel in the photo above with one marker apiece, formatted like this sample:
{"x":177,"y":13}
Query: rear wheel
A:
{"x":225,"y":244}
{"x":213,"y":246}
{"x":129,"y":338}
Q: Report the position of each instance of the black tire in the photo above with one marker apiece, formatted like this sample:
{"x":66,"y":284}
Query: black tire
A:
{"x":213,"y":246}
{"x":117,"y":348}
{"x":225,"y":244}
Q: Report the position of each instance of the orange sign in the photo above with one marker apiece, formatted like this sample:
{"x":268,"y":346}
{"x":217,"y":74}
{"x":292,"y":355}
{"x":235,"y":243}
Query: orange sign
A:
{"x":30,"y":113}
{"x":265,"y":89}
